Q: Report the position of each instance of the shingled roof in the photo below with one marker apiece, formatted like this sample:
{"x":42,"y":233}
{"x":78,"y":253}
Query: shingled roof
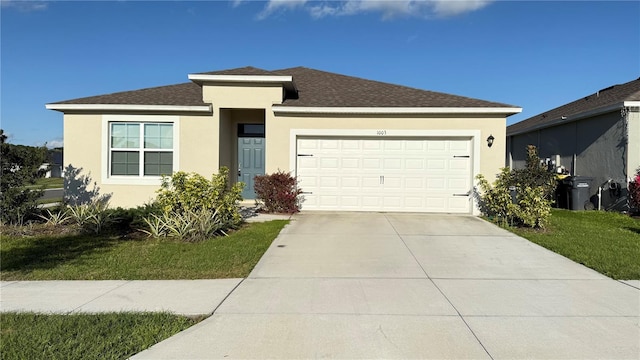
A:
{"x":315,"y":88}
{"x":601,"y":99}
{"x":185,"y":94}
{"x":324,"y":89}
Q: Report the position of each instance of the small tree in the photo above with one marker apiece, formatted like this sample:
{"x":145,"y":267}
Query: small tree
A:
{"x":533,"y":186}
{"x":20,"y":167}
{"x":535,"y":174}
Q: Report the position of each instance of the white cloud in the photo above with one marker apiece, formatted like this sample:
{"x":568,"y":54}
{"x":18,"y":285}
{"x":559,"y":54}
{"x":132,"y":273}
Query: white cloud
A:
{"x":280,"y":5}
{"x":389,"y":9}
{"x":24,"y":5}
{"x":55,"y":143}
{"x":446,"y":8}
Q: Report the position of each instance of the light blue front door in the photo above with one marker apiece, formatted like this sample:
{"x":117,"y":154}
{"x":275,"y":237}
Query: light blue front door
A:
{"x":250,"y":163}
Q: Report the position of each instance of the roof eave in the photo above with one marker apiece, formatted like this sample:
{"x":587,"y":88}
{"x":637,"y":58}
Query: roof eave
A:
{"x":576,"y":117}
{"x":507,"y":111}
{"x":284,"y":80}
{"x":130,"y":107}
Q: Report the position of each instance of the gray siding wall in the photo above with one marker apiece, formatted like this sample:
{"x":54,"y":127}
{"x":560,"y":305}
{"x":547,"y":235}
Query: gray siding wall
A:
{"x":598,"y":142}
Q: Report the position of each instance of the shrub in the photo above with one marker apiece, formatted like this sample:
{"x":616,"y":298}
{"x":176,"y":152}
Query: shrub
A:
{"x":194,"y":208}
{"x":278,"y":192}
{"x":20,"y":167}
{"x":125,"y":220}
{"x":186,"y":226}
{"x":55,"y":218}
{"x":534,"y":187}
{"x":535,"y":174}
{"x":92,"y":217}
{"x":193,"y":192}
{"x":634,"y":192}
{"x":495,"y":200}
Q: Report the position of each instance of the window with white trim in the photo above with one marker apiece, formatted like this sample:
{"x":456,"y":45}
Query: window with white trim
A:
{"x":139,"y":149}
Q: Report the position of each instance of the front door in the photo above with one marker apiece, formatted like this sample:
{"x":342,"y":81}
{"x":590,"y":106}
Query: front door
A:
{"x":250,"y":163}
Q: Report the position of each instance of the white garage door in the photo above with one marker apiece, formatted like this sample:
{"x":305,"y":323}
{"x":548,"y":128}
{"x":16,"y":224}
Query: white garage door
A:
{"x":391,"y":174}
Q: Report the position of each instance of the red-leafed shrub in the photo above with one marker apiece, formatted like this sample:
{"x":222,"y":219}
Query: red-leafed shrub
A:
{"x":278,"y":192}
{"x":634,"y":193}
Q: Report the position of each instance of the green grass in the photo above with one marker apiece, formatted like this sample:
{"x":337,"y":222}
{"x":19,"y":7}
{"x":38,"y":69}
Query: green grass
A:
{"x":48,"y":183}
{"x":101,"y":336}
{"x":50,"y":201}
{"x":604,"y":241}
{"x":89,"y":257}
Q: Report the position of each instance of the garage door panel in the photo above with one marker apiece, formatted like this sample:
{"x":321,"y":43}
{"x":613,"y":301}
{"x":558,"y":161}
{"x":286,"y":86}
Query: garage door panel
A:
{"x":459,"y":164}
{"x":350,"y":163}
{"x":374,"y":164}
{"x":352,"y":183}
{"x":414,"y":183}
{"x":385,"y":174}
{"x":392,"y":164}
{"x":437,"y":146}
{"x":436,"y":164}
{"x":369,"y":145}
{"x":329,"y":163}
{"x":460,"y":145}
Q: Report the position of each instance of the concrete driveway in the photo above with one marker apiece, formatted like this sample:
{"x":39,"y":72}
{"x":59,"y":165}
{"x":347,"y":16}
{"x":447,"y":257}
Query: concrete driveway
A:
{"x":373,"y":285}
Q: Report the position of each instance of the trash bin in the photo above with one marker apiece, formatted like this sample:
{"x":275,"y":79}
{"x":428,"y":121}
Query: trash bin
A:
{"x":578,"y":193}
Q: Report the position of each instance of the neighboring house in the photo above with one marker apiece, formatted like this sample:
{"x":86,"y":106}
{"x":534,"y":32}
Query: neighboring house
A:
{"x":54,"y":166}
{"x":596,"y":136}
{"x":354,"y":144}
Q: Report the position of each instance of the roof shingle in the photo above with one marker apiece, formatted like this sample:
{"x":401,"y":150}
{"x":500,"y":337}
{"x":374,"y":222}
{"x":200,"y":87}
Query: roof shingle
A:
{"x":324,"y":89}
{"x":606,"y":97}
{"x":315,"y":89}
{"x":185,"y":94}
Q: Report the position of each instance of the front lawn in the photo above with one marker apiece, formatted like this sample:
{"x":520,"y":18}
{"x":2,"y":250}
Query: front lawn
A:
{"x":48,"y":183}
{"x":604,"y":241}
{"x":100,"y":336}
{"x":97,"y":257}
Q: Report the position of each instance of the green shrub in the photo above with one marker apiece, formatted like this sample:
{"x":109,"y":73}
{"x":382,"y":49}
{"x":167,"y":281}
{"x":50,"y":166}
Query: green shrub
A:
{"x":278,"y":192}
{"x":495,"y":200}
{"x":126,"y":220}
{"x":91,"y":217}
{"x":20,"y":167}
{"x":535,"y":174}
{"x":533,"y":186}
{"x":193,"y":192}
{"x":57,"y":218}
{"x":194,"y":208}
{"x":187,"y":226}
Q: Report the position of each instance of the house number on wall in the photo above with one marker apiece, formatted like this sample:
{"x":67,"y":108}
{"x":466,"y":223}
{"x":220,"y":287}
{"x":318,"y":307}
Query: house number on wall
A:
{"x":381,"y":132}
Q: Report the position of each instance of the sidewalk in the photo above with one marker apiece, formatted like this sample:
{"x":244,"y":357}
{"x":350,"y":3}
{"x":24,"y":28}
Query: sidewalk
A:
{"x":183,"y":297}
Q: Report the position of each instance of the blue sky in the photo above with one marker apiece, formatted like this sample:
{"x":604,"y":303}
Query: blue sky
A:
{"x":537,"y":55}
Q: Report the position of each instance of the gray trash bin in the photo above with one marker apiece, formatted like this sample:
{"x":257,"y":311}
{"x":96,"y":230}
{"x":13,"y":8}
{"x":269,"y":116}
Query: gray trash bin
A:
{"x":578,"y":192}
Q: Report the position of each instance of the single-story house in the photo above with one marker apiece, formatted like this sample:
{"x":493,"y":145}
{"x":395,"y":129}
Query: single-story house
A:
{"x":54,"y":166}
{"x":354,"y":144}
{"x":596,"y":136}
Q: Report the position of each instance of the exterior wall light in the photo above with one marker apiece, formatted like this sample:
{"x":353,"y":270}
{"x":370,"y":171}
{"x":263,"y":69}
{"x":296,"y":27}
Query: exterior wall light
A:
{"x":490,"y":141}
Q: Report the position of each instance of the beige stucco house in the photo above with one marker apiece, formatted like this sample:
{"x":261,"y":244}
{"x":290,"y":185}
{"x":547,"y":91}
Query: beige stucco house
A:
{"x":354,"y":144}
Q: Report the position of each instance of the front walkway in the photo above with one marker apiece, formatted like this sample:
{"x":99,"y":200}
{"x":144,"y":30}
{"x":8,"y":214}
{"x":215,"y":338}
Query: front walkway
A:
{"x":371,"y":285}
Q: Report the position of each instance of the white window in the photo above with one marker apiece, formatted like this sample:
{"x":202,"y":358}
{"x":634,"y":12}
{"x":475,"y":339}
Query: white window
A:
{"x":140,"y":149}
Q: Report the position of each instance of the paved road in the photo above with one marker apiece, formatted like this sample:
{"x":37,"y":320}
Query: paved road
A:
{"x":52,"y":194}
{"x":414,"y":286}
